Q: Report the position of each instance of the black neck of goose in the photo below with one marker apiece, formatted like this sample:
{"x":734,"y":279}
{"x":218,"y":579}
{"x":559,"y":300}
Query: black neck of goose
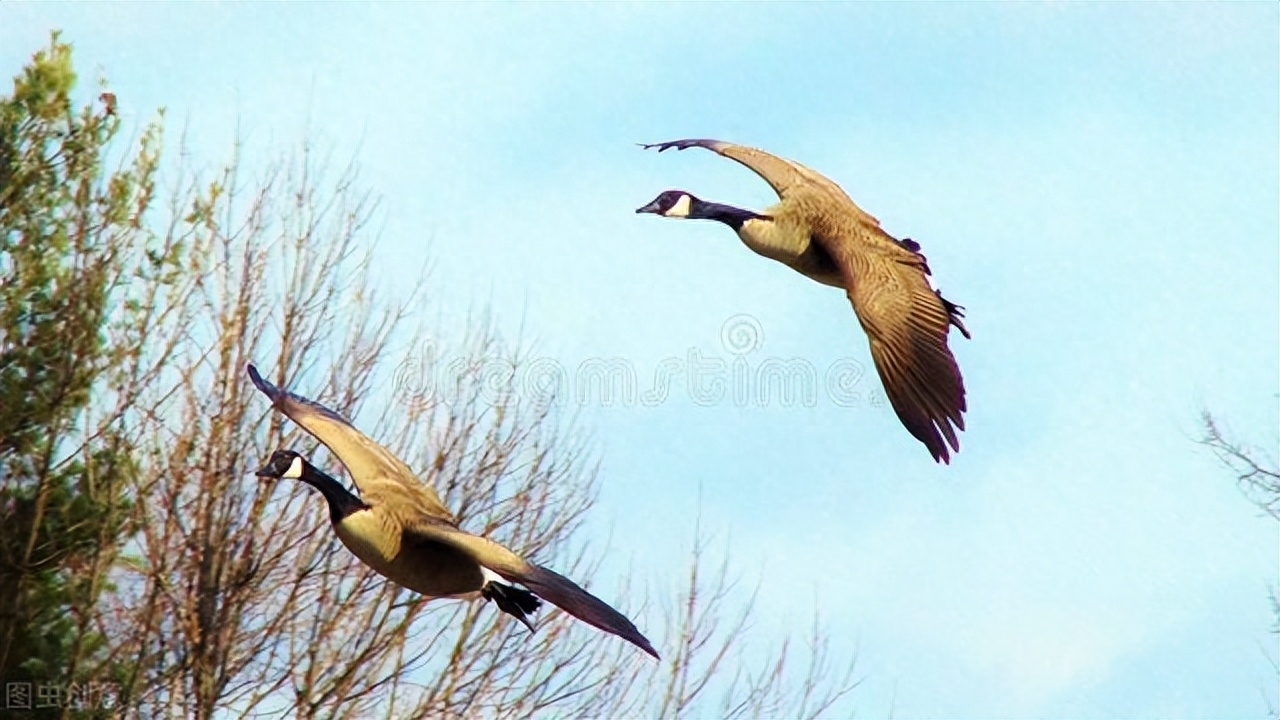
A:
{"x":727,"y":214}
{"x":341,"y":502}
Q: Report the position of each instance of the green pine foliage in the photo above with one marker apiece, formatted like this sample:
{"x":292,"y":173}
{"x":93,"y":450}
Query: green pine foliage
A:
{"x":66,"y":228}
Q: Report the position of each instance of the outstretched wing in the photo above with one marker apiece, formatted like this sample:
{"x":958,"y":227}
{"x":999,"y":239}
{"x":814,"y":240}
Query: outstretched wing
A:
{"x":787,"y":177}
{"x":546,"y":584}
{"x":907,"y":323}
{"x":375,"y":470}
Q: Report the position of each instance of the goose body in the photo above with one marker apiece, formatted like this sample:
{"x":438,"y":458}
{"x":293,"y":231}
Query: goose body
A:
{"x":783,"y":235}
{"x":401,"y":529}
{"x":817,"y":230}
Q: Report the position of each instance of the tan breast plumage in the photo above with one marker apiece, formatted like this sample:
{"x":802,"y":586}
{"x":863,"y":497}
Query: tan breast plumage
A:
{"x":786,"y":237}
{"x":371,"y":537}
{"x":431,"y":568}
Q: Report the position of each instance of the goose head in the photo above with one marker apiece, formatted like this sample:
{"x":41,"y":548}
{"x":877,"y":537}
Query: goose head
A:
{"x":284,"y":464}
{"x":287,"y":464}
{"x":680,"y":204}
{"x":672,"y":203}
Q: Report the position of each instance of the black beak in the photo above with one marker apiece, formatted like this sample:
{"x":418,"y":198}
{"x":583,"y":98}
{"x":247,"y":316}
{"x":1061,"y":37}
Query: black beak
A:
{"x":265,"y":472}
{"x":650,"y":208}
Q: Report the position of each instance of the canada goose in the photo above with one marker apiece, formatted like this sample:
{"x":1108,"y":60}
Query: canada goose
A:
{"x":817,"y":230}
{"x":399,"y":527}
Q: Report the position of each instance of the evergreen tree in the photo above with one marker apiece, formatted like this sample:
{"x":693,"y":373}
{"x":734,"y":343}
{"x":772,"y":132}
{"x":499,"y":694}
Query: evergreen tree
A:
{"x":66,"y":227}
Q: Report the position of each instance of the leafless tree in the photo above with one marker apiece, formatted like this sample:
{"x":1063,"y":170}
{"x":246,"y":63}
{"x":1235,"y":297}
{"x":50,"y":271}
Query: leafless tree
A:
{"x":1258,"y":476}
{"x":238,"y":598}
{"x":231,"y":595}
{"x":1255,"y":469}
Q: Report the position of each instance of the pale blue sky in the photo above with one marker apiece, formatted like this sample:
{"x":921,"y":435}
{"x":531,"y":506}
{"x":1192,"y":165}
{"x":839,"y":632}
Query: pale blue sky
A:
{"x":1096,"y":183}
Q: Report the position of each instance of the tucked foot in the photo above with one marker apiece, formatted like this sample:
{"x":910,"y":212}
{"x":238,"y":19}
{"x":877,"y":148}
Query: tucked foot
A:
{"x":513,"y":601}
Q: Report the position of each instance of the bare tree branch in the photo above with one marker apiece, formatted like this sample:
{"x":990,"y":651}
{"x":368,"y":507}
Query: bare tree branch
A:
{"x":1255,"y":469}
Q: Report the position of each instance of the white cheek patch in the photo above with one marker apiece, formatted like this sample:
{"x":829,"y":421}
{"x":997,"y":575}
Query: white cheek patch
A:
{"x":295,"y":469}
{"x":680,"y":209}
{"x":491,"y":576}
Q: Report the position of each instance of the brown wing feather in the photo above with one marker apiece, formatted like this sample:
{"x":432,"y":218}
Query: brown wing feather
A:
{"x":907,"y":324}
{"x":376,"y":471}
{"x":546,"y":584}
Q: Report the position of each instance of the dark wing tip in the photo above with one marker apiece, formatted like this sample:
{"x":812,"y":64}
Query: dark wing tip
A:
{"x":256,"y":377}
{"x":931,"y":413}
{"x":944,"y":434}
{"x":575,"y":600}
{"x":937,"y":429}
{"x":259,"y":382}
{"x":635,"y":637}
{"x":648,"y":648}
{"x":925,"y":429}
{"x":624,"y":629}
{"x":713,"y":145}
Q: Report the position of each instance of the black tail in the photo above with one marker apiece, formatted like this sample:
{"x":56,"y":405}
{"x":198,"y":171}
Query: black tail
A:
{"x":954,"y":314}
{"x":513,"y":601}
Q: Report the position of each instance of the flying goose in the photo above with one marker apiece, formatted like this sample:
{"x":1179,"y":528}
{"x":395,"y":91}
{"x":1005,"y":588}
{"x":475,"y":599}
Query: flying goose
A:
{"x":818,"y":231}
{"x":399,"y":527}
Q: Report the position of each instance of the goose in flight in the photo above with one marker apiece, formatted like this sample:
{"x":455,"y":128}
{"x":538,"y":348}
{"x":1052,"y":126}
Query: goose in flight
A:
{"x":399,"y":527}
{"x":818,"y":231}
